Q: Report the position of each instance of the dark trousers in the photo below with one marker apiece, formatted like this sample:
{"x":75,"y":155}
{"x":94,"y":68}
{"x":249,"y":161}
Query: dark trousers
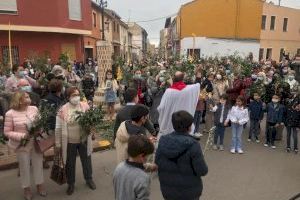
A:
{"x":220,"y":132}
{"x":270,"y":133}
{"x":254,"y":128}
{"x":292,"y":131}
{"x":197,"y":120}
{"x":86,"y":162}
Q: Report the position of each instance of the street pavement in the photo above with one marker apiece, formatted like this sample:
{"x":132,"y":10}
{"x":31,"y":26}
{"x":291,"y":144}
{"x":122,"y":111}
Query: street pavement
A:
{"x":259,"y":174}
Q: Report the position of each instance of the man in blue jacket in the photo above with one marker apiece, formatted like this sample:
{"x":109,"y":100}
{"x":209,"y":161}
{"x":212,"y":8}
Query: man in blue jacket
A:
{"x":180,"y":161}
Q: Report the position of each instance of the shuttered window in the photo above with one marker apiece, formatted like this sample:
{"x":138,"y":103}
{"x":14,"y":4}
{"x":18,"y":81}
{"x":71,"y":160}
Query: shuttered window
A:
{"x":8,"y":6}
{"x":75,"y":10}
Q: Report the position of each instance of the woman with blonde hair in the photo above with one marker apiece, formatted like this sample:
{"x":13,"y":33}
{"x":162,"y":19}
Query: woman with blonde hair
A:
{"x":17,"y":120}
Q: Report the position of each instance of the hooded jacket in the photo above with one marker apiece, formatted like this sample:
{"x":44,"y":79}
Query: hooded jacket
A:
{"x":180,"y":166}
{"x":121,"y":142}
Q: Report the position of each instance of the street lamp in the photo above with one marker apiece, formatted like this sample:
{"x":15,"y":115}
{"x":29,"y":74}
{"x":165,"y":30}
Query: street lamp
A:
{"x":102,"y":4}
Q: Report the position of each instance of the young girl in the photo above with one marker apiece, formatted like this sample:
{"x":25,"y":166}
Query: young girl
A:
{"x":221,"y":113}
{"x":111,"y":86}
{"x":238,"y":116}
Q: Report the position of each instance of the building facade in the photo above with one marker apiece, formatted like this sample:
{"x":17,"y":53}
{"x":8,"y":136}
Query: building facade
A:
{"x":55,"y":27}
{"x":224,"y":27}
{"x":139,"y":41}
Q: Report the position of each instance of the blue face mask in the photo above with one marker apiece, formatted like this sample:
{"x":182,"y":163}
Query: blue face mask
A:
{"x":227,"y":72}
{"x":21,"y":74}
{"x":26,"y":88}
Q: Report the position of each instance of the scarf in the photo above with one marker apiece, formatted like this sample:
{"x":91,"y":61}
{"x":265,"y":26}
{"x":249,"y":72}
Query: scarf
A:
{"x":178,"y":85}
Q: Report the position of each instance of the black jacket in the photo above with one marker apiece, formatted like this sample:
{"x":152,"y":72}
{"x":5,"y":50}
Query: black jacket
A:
{"x":218,"y":113}
{"x":180,"y":166}
{"x":292,"y":118}
{"x":256,"y":110}
{"x":124,"y":115}
{"x":55,"y":102}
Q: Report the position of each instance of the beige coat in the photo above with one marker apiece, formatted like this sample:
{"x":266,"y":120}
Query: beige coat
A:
{"x":121,"y":143}
{"x":61,"y":130}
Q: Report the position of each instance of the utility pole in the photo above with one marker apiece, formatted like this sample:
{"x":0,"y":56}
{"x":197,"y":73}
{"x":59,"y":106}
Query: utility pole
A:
{"x":102,"y":4}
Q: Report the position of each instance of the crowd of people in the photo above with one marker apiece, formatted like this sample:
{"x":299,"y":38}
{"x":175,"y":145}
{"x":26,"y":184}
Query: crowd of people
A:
{"x":165,"y":111}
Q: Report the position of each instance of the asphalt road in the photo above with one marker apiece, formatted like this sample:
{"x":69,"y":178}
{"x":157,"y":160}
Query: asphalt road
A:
{"x":259,"y":174}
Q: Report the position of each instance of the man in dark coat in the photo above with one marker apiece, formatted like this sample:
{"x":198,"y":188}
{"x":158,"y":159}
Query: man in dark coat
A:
{"x":180,"y":161}
{"x":131,"y":98}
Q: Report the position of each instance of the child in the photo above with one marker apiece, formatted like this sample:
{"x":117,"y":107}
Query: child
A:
{"x":221,"y":113}
{"x":292,"y":123}
{"x":256,"y":115}
{"x":274,"y":118}
{"x":130,"y":179}
{"x":238,"y":116}
{"x":111,"y":86}
{"x":139,"y":116}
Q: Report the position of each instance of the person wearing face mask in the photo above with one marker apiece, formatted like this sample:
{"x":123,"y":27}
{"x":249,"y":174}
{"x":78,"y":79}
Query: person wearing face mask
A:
{"x":294,"y":84}
{"x":275,"y":112}
{"x":220,"y":86}
{"x":23,"y":85}
{"x":17,"y":119}
{"x":236,"y":89}
{"x":19,"y":72}
{"x":140,"y":85}
{"x":111,"y":87}
{"x":69,"y":141}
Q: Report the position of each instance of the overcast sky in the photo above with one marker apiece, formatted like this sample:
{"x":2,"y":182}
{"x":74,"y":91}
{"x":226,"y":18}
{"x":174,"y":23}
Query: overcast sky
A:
{"x":141,"y":10}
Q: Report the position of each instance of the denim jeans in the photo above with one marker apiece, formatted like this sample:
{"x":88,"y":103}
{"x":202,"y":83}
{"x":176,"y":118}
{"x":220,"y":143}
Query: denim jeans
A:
{"x":292,"y":131}
{"x":237,"y":131}
{"x":220,"y":131}
{"x":254,"y":128}
{"x":197,"y":120}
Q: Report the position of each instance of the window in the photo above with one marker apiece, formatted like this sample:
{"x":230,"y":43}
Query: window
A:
{"x":285,"y":24}
{"x":114,"y":26}
{"x":298,"y":52}
{"x":75,"y":10}
{"x":263,"y":22}
{"x":8,"y":7}
{"x":281,"y":54}
{"x":261,"y":54}
{"x":118,"y":28}
{"x":269,"y":53}
{"x":272,"y":25}
{"x":94,"y":19}
{"x":14,"y":54}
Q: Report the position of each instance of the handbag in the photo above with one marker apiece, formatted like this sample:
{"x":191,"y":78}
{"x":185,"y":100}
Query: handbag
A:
{"x":43,"y":144}
{"x":58,"y":172}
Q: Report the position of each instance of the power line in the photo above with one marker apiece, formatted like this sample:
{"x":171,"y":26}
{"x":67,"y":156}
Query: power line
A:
{"x":156,"y":19}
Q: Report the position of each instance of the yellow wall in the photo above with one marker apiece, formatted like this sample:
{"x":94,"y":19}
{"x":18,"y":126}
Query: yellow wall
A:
{"x":278,"y":39}
{"x":240,"y":19}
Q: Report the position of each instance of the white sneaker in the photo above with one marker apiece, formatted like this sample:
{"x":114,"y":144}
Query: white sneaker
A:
{"x":266,"y":145}
{"x":232,"y":151}
{"x":215,"y":147}
{"x":257,"y":141}
{"x":273,"y":147}
{"x":249,"y":140}
{"x":221,"y":148}
{"x":240,"y":151}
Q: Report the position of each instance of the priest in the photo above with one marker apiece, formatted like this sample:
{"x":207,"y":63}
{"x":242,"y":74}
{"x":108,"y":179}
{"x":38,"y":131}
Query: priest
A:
{"x":176,"y":98}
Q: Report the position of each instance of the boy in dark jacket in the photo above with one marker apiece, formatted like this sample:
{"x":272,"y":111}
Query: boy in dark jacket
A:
{"x":292,"y":124}
{"x":275,"y":112}
{"x":221,"y":112}
{"x":180,"y":161}
{"x":256,"y":115}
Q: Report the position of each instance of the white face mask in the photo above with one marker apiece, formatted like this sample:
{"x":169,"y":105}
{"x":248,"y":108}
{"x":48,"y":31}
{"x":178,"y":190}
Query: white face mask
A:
{"x":75,"y":100}
{"x":219,"y":77}
{"x":275,"y":100}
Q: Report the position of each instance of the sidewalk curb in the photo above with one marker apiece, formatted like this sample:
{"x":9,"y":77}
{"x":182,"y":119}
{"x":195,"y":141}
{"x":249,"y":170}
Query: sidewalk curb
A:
{"x":14,"y":165}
